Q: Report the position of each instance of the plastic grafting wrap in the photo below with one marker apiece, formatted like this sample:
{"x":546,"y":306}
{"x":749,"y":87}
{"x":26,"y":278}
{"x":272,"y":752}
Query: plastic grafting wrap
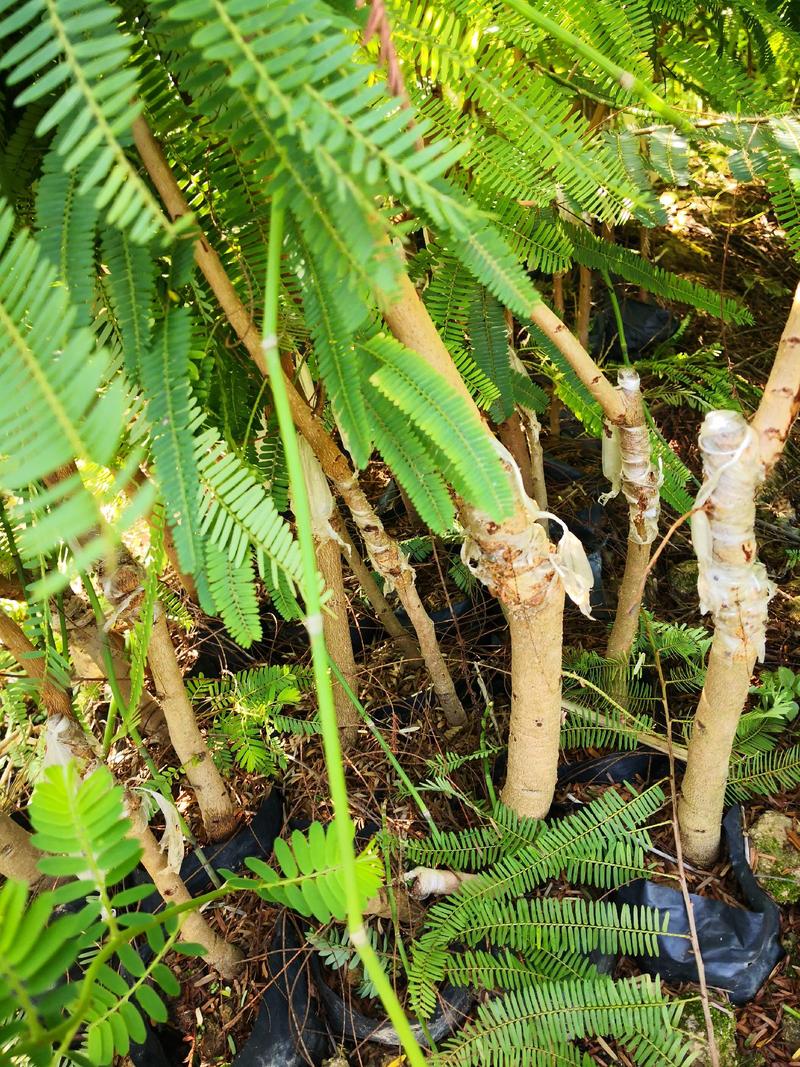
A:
{"x":320,"y":498}
{"x":626,"y":464}
{"x":515,"y":560}
{"x":64,"y":741}
{"x":530,"y":420}
{"x":732,"y":583}
{"x":171,"y":841}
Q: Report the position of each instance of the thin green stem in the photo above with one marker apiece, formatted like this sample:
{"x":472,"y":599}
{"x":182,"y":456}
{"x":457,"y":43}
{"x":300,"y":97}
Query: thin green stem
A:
{"x":623,"y":77}
{"x":313,"y":621}
{"x":411,"y":789}
{"x":612,"y":296}
{"x":111,"y":722}
{"x":62,"y":625}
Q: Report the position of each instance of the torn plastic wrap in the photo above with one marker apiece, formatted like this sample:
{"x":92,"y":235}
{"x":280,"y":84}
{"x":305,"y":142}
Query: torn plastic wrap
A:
{"x":515,"y":561}
{"x":732,"y":583}
{"x":739,"y":946}
{"x":626,"y":453}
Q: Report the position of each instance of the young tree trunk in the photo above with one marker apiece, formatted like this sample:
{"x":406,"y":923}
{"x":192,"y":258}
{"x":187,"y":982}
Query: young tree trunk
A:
{"x":515,"y":560}
{"x":122,"y":586}
{"x":732,"y":583}
{"x":385,"y":554}
{"x":224,"y":957}
{"x":18,"y":857}
{"x":337,"y":637}
{"x":535,"y":727}
{"x":213,"y":799}
{"x":639,"y":481}
{"x":352,"y":557}
{"x":584,"y":306}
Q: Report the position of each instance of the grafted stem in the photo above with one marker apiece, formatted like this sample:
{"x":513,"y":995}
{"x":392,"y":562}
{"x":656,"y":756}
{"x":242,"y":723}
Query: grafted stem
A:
{"x":401,"y":637}
{"x":639,"y":482}
{"x":513,"y":560}
{"x":732,"y":583}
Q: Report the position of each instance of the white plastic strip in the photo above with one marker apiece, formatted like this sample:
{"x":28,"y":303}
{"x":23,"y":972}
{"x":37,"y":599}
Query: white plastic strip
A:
{"x":515,"y":560}
{"x":732,"y":583}
{"x":627,"y":465}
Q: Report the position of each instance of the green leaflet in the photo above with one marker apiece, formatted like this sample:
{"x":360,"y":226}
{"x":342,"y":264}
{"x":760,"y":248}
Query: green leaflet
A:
{"x":593,"y":252}
{"x":94,"y":107}
{"x":310,"y":863}
{"x":434,"y":407}
{"x":764,"y":774}
{"x":333,"y":324}
{"x":65,"y":221}
{"x":165,"y":380}
{"x":236,"y":510}
{"x":132,"y":282}
{"x":354,"y":136}
{"x":233,"y":594}
{"x":537,"y":1020}
{"x":59,"y":402}
{"x":489,"y":335}
{"x":405,"y":451}
{"x":586,"y":833}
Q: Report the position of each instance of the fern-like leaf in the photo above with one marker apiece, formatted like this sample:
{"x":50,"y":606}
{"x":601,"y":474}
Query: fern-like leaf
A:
{"x":96,"y":105}
{"x":310,"y":878}
{"x":59,"y":404}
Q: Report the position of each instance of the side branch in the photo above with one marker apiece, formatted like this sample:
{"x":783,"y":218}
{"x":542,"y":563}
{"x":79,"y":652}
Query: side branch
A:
{"x":581,"y":362}
{"x":780,"y":403}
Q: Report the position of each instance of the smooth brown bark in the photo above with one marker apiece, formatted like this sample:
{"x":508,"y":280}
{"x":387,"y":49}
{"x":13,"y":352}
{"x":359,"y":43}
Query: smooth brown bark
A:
{"x":581,"y":362}
{"x":702,"y":793}
{"x":55,"y":700}
{"x":629,"y":603}
{"x":220,"y":954}
{"x":584,"y":306}
{"x":213,"y":799}
{"x":535,"y":727}
{"x":336,"y":628}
